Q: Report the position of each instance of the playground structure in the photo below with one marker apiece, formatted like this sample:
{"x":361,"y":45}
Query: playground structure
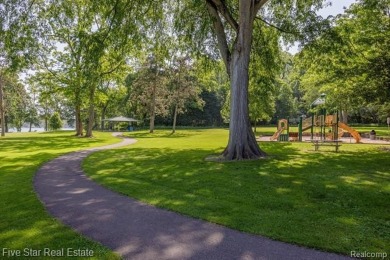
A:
{"x":322,"y":128}
{"x":282,"y":126}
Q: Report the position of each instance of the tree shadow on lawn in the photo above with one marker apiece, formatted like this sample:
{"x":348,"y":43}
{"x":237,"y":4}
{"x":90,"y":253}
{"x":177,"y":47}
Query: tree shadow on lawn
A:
{"x":333,"y":201}
{"x":30,"y":160}
{"x":37,"y":231}
{"x":25,"y":224}
{"x":165,"y":134}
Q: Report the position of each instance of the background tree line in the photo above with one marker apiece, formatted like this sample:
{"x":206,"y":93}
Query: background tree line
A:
{"x":151,"y":60}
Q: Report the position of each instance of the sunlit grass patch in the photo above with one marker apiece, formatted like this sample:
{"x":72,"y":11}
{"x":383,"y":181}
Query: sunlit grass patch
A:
{"x":332,"y":201}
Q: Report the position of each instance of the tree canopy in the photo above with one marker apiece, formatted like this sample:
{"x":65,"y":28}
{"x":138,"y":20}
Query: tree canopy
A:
{"x":205,"y":60}
{"x":350,"y":61}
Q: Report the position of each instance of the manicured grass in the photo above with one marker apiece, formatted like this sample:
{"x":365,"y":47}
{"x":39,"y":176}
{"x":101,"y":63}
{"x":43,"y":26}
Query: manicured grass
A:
{"x":270,"y":130}
{"x":24,"y":223}
{"x":265,"y":130}
{"x":332,"y":201}
{"x":380,"y":130}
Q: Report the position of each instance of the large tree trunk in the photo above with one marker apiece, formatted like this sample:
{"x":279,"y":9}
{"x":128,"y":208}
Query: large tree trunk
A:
{"x":2,"y":117}
{"x":91,"y":113}
{"x":174,"y":120}
{"x":79,"y":123}
{"x":46,"y":123}
{"x":242,"y":141}
{"x":91,"y":120}
{"x":6,"y":123}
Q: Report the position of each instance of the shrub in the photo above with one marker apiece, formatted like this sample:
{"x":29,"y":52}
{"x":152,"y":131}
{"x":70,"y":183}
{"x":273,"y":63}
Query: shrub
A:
{"x":55,"y":122}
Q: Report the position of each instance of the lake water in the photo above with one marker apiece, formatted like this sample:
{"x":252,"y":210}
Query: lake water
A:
{"x":35,"y":129}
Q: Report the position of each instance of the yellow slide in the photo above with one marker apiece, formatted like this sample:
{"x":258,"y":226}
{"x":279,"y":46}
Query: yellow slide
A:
{"x":276,"y":134}
{"x":282,"y":125}
{"x":352,"y":131}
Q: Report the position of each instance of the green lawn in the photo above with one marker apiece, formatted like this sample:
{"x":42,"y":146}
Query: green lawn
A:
{"x":380,"y":130}
{"x":270,"y":130}
{"x":332,"y":201}
{"x":265,"y":130}
{"x":24,"y":223}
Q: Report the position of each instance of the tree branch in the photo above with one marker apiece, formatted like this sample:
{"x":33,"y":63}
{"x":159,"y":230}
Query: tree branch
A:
{"x":114,"y":11}
{"x":259,"y":4}
{"x":276,"y":27}
{"x":221,"y":7}
{"x":114,"y":68}
{"x":53,"y":73}
{"x":221,"y":35}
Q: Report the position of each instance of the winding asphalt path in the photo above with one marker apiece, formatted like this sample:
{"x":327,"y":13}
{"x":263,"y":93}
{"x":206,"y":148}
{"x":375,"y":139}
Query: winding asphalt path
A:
{"x":139,"y":231}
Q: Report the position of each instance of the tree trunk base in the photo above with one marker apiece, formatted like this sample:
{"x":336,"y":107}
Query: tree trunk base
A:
{"x":245,"y":152}
{"x":243,"y":147}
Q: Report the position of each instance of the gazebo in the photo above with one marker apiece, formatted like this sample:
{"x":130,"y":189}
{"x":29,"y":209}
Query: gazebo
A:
{"x":119,"y":119}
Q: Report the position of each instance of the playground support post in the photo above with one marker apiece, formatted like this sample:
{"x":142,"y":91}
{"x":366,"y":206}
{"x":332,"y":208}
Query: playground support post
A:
{"x":388,"y":126}
{"x":300,"y":129}
{"x":337,"y":126}
{"x":323,"y":128}
{"x":312,"y":127}
{"x":323,"y":123}
{"x":288,"y":128}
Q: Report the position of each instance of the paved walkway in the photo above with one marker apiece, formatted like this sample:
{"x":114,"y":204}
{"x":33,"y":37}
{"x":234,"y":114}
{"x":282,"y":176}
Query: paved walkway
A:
{"x":139,"y":231}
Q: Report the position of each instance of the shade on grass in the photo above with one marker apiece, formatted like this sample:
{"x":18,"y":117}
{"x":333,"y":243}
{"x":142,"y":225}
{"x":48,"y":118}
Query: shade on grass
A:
{"x":382,"y":131}
{"x":332,"y":201}
{"x":24,"y":223}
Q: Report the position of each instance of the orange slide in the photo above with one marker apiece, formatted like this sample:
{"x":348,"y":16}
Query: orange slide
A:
{"x":355,"y":134}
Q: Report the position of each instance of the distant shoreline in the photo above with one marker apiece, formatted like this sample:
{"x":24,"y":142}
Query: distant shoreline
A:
{"x":34,"y":129}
